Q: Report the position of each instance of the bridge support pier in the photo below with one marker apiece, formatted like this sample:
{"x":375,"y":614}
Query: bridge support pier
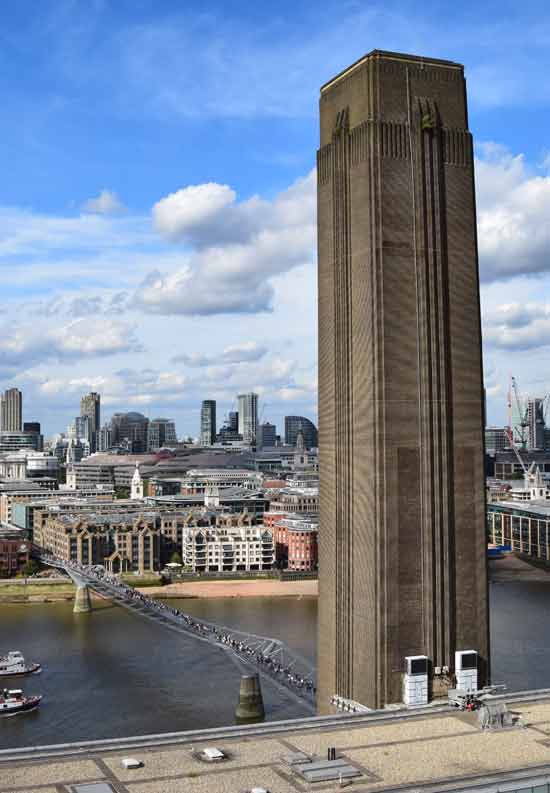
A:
{"x":82,"y":601}
{"x":251,"y":704}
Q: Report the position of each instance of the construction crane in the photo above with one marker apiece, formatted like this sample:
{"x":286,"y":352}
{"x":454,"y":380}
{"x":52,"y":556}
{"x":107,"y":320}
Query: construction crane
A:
{"x":531,"y":475}
{"x":515,"y":449}
{"x":262,"y":412}
{"x":522,"y":413}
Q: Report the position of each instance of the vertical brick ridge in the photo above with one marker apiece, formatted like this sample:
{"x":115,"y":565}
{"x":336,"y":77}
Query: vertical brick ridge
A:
{"x":343,"y":352}
{"x":434,"y":377}
{"x":324,"y":164}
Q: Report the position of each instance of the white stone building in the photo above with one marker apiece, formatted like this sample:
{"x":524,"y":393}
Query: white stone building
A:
{"x":227,"y":548}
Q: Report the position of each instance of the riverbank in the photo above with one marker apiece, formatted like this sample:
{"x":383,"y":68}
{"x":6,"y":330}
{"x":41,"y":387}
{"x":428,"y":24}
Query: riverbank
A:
{"x":36,"y":590}
{"x":235,"y":589}
{"x":22,"y":591}
{"x":511,"y":569}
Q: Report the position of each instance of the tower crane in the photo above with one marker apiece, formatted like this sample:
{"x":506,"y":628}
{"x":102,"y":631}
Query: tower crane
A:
{"x":521,"y":407}
{"x":262,"y":412}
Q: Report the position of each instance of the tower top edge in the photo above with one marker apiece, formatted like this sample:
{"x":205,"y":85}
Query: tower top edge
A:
{"x":393,"y":56}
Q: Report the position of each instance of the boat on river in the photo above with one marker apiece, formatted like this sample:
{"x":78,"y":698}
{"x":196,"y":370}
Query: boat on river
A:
{"x":13,"y":664}
{"x":14,"y":701}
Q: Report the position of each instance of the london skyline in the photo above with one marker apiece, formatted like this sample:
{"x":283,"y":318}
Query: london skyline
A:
{"x":128,"y":277}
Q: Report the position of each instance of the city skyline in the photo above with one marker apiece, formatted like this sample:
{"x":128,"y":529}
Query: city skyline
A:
{"x":82,"y":426}
{"x":144,"y":234}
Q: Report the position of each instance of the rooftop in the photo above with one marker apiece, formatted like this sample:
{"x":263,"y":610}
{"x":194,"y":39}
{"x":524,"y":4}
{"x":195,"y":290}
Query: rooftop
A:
{"x":534,"y":507}
{"x":434,"y":750}
{"x":393,"y":56}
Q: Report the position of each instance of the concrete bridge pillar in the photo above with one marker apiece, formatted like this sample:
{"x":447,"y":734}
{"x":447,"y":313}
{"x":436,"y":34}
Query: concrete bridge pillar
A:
{"x":251,"y":704}
{"x":82,"y":602}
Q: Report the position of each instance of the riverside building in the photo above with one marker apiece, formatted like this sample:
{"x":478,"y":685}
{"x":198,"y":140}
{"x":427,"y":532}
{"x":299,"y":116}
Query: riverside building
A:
{"x":402,"y":519}
{"x":296,"y":542}
{"x":15,"y":552}
{"x":234,"y":544}
{"x":126,"y":537}
{"x":523,"y":527}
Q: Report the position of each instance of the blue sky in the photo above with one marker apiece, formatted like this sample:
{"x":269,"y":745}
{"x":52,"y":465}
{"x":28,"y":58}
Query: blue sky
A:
{"x":157,"y":202}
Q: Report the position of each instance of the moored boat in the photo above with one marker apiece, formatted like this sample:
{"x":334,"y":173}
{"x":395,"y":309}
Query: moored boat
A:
{"x":14,"y":664}
{"x":14,"y":701}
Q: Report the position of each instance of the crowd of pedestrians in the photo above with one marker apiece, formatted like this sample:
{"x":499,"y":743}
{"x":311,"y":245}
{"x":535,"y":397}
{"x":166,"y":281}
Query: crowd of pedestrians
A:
{"x":266,"y":662}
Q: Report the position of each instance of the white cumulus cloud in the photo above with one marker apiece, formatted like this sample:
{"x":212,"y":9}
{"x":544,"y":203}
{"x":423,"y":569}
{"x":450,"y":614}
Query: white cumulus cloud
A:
{"x":517,"y":326}
{"x":236,"y":249}
{"x":238,"y":353}
{"x":106,"y":203}
{"x":513,"y":215}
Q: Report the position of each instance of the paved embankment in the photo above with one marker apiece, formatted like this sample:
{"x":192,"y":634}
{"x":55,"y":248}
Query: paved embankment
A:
{"x":511,"y":569}
{"x":36,"y":590}
{"x":234,"y":589}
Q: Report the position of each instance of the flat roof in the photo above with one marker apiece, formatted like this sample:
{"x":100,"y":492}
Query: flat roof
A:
{"x":532,"y":507}
{"x":432,"y":749}
{"x":393,"y":56}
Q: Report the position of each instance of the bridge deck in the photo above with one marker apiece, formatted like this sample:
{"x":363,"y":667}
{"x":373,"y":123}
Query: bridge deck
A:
{"x":266,"y":655}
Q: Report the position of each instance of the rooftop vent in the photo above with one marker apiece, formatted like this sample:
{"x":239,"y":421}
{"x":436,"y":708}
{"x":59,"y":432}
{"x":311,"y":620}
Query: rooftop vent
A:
{"x":212,"y":755}
{"x":131,"y":762}
{"x":327,"y":770}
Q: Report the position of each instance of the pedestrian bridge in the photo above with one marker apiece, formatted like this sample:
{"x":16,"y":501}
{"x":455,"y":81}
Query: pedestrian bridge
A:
{"x":271,"y":657}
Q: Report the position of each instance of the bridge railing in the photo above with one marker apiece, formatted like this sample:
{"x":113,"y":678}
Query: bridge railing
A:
{"x":265,"y":653}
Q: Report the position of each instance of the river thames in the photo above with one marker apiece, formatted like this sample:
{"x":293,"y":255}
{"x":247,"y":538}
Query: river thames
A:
{"x":110,"y":673}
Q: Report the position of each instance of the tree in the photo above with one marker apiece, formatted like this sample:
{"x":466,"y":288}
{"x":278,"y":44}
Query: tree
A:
{"x":176,"y":558}
{"x":31,"y":568}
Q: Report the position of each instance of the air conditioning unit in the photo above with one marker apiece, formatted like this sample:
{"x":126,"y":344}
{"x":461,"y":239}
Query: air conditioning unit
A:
{"x":466,"y":662}
{"x":415,"y":680}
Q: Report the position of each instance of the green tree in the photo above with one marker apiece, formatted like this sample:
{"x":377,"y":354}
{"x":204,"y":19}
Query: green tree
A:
{"x":176,"y":558}
{"x":31,"y":568}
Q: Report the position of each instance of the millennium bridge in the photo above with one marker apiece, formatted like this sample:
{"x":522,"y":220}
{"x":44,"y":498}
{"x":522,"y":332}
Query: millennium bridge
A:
{"x":270,"y":657}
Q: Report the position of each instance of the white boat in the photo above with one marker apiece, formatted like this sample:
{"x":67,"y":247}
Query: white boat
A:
{"x":14,"y":701}
{"x":14,"y":664}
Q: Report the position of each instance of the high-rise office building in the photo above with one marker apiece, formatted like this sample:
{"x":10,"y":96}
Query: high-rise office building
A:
{"x":11,"y":410}
{"x":295,"y":424}
{"x":161,"y":432}
{"x":402,"y":517}
{"x":32,"y":426}
{"x":266,"y":435}
{"x":130,"y":431}
{"x":208,"y":422}
{"x":105,"y":437}
{"x":248,"y":416}
{"x":496,"y":439}
{"x":90,"y":406}
{"x":535,"y":425}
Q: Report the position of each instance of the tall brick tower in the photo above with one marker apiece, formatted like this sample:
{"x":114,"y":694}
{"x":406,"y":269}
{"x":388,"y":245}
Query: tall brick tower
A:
{"x":402,"y":525}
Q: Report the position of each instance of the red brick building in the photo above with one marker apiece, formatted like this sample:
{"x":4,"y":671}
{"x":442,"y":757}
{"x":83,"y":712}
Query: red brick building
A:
{"x":14,"y":554}
{"x":296,"y":542}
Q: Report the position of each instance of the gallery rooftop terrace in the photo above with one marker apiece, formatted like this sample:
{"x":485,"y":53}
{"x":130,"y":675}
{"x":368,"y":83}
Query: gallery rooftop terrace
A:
{"x":435,"y":749}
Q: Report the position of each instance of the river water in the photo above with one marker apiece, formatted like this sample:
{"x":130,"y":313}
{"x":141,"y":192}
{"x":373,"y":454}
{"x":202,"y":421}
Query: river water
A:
{"x":111,"y":673}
